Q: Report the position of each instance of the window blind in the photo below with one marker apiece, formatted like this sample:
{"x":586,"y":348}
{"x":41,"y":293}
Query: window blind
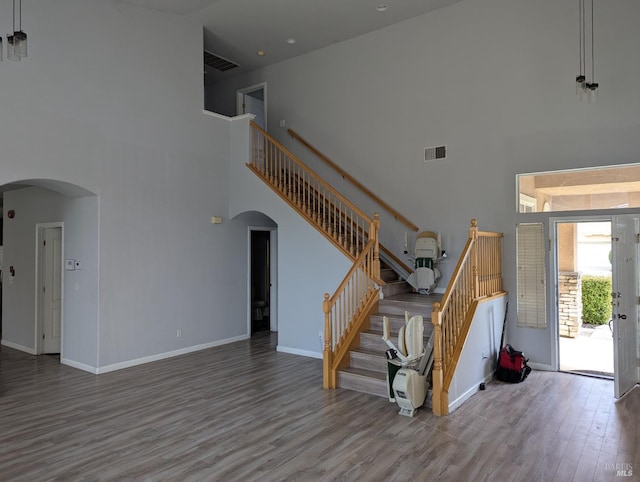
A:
{"x":530,"y":241}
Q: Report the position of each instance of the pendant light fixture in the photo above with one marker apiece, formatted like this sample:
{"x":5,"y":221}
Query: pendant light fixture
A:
{"x":16,"y":42}
{"x":586,"y":89}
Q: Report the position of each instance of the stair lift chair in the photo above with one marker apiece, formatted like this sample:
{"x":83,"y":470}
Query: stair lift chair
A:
{"x":408,"y":364}
{"x":427,"y":253}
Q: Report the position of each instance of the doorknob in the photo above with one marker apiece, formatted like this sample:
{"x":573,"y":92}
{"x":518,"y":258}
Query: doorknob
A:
{"x":622,"y":317}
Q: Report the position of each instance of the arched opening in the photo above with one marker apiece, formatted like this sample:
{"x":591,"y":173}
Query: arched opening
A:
{"x":262,"y":282}
{"x":49,"y":267}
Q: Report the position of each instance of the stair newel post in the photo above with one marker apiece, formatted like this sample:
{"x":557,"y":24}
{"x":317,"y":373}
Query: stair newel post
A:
{"x":328,"y":380}
{"x":473,"y":235}
{"x":373,"y":234}
{"x":437,"y":374}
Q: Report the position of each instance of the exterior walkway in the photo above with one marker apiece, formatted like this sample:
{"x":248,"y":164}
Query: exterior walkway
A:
{"x":590,"y":352}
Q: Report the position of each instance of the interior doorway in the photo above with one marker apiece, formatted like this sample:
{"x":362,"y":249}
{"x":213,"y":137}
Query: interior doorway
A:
{"x":253,"y":100}
{"x":262,"y":280}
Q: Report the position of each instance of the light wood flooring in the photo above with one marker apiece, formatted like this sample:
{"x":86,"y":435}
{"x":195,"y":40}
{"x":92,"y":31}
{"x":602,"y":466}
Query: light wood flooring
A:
{"x":244,"y":412}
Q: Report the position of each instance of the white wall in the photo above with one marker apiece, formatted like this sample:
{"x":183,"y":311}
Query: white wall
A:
{"x":110,"y":99}
{"x":491,"y":79}
{"x":479,"y":356}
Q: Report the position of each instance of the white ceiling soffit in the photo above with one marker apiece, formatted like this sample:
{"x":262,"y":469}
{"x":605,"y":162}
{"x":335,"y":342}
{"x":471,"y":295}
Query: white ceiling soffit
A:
{"x":237,"y":29}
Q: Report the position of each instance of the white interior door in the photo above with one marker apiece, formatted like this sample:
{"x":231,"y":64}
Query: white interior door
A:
{"x":51,"y":289}
{"x":624,"y":231}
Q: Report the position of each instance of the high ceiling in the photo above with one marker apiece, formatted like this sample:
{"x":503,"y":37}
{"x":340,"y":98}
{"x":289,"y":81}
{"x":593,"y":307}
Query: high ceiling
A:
{"x":237,"y":29}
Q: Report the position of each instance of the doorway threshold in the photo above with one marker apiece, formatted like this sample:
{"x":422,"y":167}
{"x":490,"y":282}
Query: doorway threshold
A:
{"x":590,"y":373}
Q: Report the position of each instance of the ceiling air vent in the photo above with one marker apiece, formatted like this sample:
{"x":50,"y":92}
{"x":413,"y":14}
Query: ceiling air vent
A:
{"x":216,"y":62}
{"x":434,"y":153}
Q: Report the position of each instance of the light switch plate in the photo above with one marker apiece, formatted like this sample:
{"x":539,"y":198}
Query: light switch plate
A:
{"x":69,"y":264}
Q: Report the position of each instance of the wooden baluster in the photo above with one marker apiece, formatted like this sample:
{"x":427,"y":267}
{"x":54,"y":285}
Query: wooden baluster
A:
{"x":352,"y":237}
{"x":280,"y":173}
{"x":309,"y":197}
{"x":375,"y":228}
{"x":437,"y":373}
{"x":328,"y":379}
{"x":324,"y":210}
{"x":289,"y":178}
{"x":473,"y":235}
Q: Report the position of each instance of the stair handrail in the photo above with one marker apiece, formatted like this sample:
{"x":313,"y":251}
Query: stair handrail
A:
{"x":308,"y":193}
{"x":348,"y":308}
{"x":311,"y":196}
{"x":477,"y":277}
{"x":399,"y":217}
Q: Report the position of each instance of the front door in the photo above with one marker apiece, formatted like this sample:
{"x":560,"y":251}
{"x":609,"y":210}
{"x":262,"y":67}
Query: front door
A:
{"x":51,"y":288}
{"x":625,"y":302}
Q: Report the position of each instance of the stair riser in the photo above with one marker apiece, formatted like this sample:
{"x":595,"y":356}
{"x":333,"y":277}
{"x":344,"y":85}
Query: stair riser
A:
{"x":368,"y":362}
{"x":392,"y":307}
{"x":388,"y":275}
{"x":395,"y":322}
{"x":362,"y":384}
{"x":373,"y":341}
{"x":394,"y":288}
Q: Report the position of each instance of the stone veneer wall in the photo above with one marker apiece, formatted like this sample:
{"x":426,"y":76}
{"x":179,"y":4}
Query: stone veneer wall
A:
{"x":570,"y":303}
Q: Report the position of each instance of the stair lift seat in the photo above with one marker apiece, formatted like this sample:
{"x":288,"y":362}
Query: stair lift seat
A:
{"x":427,"y":254}
{"x":408,"y":364}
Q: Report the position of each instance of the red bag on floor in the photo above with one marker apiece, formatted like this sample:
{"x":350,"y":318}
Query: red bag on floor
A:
{"x":512,"y":365}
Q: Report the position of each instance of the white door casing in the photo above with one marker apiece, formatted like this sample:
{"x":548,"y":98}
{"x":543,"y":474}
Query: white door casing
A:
{"x":624,"y":231}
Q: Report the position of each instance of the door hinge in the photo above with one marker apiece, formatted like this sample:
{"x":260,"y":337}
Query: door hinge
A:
{"x":638,"y":238}
{"x":44,"y":289}
{"x":615,"y":239}
{"x":43,"y":336}
{"x":44,"y":242}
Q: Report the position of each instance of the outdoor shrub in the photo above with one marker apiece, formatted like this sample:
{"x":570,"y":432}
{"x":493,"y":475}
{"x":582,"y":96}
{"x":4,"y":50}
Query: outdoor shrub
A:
{"x":596,"y":299}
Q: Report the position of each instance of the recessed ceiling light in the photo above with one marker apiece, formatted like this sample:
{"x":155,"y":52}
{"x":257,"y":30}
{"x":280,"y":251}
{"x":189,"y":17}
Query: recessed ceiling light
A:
{"x":381,"y":7}
{"x":260,"y":53}
{"x":291,"y":40}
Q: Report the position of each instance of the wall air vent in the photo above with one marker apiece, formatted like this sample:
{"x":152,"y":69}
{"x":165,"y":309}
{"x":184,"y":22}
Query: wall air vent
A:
{"x":219,"y":63}
{"x":434,"y":153}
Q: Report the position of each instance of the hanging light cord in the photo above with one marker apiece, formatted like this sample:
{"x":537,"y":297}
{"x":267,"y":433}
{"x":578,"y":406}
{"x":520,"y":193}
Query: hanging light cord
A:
{"x":581,"y":35}
{"x":593,"y":44}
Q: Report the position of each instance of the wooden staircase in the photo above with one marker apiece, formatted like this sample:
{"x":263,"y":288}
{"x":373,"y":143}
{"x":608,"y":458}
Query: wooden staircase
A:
{"x":367,"y":366}
{"x":354,"y":354}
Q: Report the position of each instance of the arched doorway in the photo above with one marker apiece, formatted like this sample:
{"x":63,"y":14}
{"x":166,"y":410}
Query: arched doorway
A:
{"x":49,"y":266}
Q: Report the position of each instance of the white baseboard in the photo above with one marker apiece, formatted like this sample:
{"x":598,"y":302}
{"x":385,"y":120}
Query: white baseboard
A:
{"x":170,"y":354}
{"x":15,"y":346}
{"x":541,"y":366}
{"x":296,"y":351}
{"x":79,"y":366}
{"x":468,"y":394}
